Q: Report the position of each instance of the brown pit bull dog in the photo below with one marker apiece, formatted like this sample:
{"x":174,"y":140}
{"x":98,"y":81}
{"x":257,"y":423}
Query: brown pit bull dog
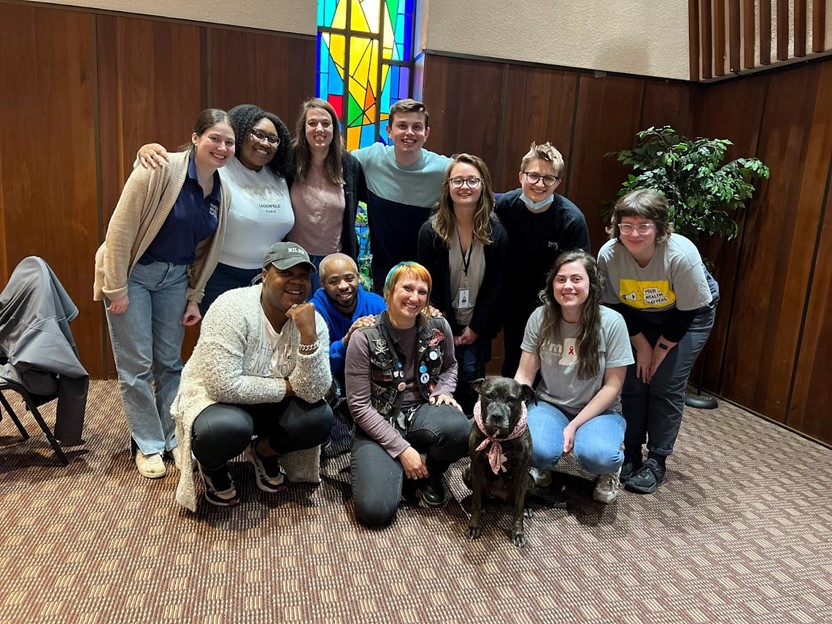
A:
{"x":500,"y":447}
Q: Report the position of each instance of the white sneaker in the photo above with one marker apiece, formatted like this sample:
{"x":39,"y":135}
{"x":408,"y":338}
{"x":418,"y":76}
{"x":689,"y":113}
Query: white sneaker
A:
{"x":542,"y":478}
{"x":150,"y":466}
{"x":176,"y":456}
{"x":606,"y":488}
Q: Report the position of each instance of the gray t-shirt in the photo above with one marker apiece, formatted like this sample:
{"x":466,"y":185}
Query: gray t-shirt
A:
{"x":560,"y":384}
{"x":674,"y":277}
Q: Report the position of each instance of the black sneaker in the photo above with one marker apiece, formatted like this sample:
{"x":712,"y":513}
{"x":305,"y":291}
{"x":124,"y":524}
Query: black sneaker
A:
{"x":219,"y":487}
{"x":648,"y":479}
{"x":632,"y":464}
{"x":433,"y":492}
{"x":270,"y":475}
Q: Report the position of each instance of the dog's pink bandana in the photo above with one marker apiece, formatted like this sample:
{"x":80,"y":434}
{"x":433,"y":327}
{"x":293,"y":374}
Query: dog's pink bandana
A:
{"x":496,"y":457}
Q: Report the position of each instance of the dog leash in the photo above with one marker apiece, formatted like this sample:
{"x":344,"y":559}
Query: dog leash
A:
{"x":496,"y":457}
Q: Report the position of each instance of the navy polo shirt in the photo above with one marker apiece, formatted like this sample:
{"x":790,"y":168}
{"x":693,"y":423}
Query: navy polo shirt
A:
{"x":192,"y":220}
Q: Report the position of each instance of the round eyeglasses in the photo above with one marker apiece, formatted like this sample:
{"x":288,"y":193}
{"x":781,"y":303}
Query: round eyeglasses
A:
{"x":262,"y":136}
{"x":533,"y":177}
{"x":641,"y":228}
{"x":471,"y":183}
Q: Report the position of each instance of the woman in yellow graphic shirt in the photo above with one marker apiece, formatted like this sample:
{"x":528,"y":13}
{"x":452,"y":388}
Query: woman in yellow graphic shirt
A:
{"x":657,"y":280}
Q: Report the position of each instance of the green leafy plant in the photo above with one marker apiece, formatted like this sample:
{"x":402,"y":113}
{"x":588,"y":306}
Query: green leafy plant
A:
{"x":703,"y":194}
{"x":365,"y":258}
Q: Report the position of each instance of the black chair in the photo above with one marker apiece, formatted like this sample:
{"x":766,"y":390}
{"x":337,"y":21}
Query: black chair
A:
{"x":32,"y":402}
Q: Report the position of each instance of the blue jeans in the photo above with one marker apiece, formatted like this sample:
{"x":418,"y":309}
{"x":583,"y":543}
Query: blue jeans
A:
{"x":225,"y":278}
{"x":654,"y":411}
{"x":439,"y":431}
{"x":147,"y":346}
{"x":597,"y":444}
{"x":471,"y":360}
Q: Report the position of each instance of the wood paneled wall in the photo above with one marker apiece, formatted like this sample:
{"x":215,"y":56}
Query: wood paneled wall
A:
{"x":772,"y":343}
{"x":82,"y":90}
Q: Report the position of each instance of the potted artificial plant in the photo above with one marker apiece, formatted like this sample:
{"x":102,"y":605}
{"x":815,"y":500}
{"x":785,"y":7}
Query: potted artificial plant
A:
{"x":703,"y":194}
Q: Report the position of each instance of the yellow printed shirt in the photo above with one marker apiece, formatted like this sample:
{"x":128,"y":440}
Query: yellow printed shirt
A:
{"x":673,"y":279}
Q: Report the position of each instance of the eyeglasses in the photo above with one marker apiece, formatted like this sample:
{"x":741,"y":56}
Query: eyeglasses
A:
{"x":471,"y":183}
{"x":641,"y":228}
{"x":262,"y":136}
{"x":534,"y":178}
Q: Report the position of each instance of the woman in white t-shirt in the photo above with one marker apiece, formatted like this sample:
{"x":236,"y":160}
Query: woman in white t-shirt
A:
{"x":261,"y":209}
{"x":582,"y":352}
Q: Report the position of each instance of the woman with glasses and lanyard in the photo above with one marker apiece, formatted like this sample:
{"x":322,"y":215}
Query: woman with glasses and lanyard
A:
{"x":657,"y":280}
{"x":541,"y":225}
{"x":465,"y":248}
{"x":261,"y":210}
{"x":326,"y":184}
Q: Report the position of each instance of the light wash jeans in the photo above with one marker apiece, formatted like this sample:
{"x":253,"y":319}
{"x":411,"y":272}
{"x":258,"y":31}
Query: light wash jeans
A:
{"x":597,"y":444}
{"x":147,"y":346}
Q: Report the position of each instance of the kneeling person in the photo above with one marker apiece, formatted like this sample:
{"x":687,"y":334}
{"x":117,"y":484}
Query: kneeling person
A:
{"x":260,"y":369}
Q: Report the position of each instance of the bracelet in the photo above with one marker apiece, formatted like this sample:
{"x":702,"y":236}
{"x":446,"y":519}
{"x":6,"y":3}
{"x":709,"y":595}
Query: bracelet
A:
{"x":662,"y":346}
{"x":309,"y":348}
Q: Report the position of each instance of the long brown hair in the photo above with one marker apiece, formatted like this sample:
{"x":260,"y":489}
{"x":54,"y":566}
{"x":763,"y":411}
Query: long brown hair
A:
{"x":442,"y":217}
{"x":333,"y":163}
{"x":589,"y":336}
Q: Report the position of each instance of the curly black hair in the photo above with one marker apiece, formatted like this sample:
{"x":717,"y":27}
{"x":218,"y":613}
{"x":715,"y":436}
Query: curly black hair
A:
{"x":245,"y":116}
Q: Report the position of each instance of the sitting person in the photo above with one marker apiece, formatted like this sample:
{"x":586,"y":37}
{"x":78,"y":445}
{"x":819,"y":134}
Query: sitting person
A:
{"x":401,"y":374}
{"x":582,"y":351}
{"x":259,"y":369}
{"x":345,"y":306}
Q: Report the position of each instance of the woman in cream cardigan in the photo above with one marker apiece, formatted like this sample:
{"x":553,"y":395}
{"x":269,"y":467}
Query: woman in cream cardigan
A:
{"x":161,"y":247}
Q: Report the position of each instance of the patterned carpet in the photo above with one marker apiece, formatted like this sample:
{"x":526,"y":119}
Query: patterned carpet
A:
{"x":739,"y":533}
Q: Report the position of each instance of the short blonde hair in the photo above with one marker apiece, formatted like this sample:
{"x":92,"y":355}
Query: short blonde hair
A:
{"x":546,"y":152}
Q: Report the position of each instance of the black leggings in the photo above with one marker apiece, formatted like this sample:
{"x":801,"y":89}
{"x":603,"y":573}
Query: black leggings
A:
{"x":222,"y":431}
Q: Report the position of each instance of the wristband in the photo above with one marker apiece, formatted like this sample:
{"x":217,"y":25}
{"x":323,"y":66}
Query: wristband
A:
{"x":662,"y":346}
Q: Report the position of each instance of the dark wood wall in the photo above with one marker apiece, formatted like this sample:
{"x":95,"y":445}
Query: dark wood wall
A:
{"x":772,"y":344}
{"x":81,"y":92}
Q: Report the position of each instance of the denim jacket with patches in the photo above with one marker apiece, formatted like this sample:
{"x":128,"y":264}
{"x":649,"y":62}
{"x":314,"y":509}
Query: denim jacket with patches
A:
{"x":385,"y":355}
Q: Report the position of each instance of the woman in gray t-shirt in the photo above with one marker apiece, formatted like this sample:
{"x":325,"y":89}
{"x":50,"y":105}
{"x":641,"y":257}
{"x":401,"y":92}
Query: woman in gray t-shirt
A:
{"x":582,"y":352}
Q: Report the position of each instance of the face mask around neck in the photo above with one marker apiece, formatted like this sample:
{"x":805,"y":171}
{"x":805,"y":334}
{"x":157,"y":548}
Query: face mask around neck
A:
{"x":537,"y":206}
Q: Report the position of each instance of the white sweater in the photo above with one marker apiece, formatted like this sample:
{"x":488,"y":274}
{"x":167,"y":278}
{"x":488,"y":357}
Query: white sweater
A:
{"x":219,"y":370}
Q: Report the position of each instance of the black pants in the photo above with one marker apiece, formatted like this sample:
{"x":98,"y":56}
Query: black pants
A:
{"x":222,"y":431}
{"x":439,"y":431}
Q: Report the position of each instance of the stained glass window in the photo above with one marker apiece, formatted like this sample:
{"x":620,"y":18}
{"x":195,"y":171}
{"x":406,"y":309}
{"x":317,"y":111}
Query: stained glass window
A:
{"x":365,"y":62}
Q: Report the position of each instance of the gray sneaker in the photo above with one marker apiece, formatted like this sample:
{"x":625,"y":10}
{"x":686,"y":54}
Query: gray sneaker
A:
{"x":606,"y":488}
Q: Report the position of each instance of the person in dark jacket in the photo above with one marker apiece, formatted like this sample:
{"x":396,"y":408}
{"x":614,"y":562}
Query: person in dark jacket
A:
{"x":541,"y":225}
{"x":465,"y":248}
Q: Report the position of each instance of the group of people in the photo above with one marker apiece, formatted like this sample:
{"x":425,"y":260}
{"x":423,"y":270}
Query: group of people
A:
{"x":256,"y":231}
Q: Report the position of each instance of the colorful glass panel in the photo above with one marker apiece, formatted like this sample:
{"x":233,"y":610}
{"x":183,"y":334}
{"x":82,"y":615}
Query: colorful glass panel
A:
{"x":376,"y":51}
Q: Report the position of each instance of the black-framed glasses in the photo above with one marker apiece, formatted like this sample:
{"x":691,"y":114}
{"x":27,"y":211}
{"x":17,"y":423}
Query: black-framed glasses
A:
{"x":534,"y":177}
{"x":471,"y":183}
{"x":641,"y":228}
{"x":262,"y":136}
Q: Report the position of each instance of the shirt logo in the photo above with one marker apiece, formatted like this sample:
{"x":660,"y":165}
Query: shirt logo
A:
{"x":646,"y":295}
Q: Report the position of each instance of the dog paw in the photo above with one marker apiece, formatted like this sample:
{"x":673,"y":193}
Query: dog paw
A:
{"x":519,"y":539}
{"x":474,"y":532}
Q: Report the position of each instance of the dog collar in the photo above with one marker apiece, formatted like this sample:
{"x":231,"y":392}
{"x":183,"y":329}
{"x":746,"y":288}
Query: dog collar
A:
{"x":496,"y":457}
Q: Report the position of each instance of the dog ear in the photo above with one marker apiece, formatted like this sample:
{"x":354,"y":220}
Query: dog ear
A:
{"x":477,"y":384}
{"x":528,"y":394}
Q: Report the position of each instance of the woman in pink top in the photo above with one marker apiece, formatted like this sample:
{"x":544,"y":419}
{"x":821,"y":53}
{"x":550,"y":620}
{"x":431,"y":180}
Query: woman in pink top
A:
{"x":326,"y":186}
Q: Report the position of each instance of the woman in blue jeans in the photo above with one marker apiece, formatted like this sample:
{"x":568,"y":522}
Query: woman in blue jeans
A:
{"x":582,"y":351}
{"x":162,"y":245}
{"x":657,"y":280}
